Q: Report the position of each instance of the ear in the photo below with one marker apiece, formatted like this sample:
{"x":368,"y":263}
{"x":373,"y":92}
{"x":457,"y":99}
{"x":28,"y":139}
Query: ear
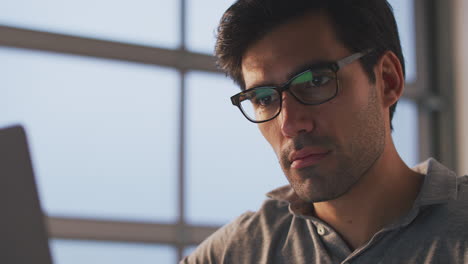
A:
{"x":390,"y":72}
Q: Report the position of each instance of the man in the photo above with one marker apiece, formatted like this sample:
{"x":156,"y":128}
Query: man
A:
{"x":322,"y":79}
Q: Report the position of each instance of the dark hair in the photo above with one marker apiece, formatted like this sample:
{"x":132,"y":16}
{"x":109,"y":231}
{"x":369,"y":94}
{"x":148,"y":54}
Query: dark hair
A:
{"x":359,"y":24}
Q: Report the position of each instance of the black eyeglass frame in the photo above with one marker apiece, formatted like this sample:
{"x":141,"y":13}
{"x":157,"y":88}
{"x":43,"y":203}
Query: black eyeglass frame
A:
{"x":333,"y":66}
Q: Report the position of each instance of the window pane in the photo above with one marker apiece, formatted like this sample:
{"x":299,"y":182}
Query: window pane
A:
{"x":202,"y":20}
{"x":230,"y":166}
{"x":404,"y":14}
{"x":151,"y":22}
{"x":102,"y":133}
{"x":405,"y":131}
{"x":79,"y":252}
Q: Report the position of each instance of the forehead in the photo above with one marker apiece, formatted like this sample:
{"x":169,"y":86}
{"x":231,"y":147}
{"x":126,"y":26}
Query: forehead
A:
{"x":288,"y":48}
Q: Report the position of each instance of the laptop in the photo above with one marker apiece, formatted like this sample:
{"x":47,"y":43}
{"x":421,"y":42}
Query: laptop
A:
{"x":23,"y":235}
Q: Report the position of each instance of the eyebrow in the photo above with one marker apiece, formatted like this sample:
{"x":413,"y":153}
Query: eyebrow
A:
{"x":298,"y":69}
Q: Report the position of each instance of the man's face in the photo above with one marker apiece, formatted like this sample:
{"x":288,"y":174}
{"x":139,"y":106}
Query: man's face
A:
{"x":323,"y":149}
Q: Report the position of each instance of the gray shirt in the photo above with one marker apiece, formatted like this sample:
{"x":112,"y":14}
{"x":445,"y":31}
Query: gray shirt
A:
{"x":434,"y":231}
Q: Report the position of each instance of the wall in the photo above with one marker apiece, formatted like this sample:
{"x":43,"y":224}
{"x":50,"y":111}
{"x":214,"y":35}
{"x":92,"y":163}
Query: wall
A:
{"x":460,"y":20}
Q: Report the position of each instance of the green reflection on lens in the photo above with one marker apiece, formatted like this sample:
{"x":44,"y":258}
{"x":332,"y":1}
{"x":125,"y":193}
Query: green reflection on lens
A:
{"x":260,"y":93}
{"x":305,"y":77}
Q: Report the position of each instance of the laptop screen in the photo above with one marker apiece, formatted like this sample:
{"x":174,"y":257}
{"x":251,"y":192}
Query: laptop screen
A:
{"x":23,"y":234}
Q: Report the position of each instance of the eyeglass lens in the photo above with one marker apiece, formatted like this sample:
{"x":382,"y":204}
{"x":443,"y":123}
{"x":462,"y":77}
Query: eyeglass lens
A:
{"x":310,"y":87}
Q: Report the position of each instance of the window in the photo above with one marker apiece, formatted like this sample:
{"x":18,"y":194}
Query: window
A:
{"x":122,"y":139}
{"x":100,"y":145}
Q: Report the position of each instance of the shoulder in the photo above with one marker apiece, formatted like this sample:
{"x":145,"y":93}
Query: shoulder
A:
{"x":451,"y":216}
{"x":438,"y":233}
{"x":462,"y":189}
{"x":443,"y":200}
{"x":455,"y":210}
{"x":241,"y":238}
{"x":441,"y":228}
{"x":454,"y":214}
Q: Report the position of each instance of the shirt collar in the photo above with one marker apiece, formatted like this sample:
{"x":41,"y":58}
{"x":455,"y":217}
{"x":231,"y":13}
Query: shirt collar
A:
{"x":440,"y":185}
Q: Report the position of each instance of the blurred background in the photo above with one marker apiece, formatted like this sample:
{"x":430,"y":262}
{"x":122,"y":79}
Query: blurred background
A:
{"x":139,"y":154}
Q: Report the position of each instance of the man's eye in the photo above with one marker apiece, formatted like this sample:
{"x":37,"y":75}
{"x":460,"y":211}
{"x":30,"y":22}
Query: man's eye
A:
{"x":311,"y":80}
{"x":264,"y":101}
{"x":319,"y":80}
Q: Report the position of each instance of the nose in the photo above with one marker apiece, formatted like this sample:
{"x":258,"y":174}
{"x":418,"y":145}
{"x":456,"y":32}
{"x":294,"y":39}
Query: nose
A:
{"x":295,"y":117}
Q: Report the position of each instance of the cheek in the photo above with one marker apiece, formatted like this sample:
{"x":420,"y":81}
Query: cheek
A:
{"x":339,"y":118}
{"x":353,"y":98}
{"x":334,"y":115}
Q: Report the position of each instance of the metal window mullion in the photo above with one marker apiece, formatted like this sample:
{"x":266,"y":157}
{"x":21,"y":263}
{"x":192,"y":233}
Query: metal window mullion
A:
{"x":440,"y":70}
{"x":181,"y":223}
{"x":427,"y":137}
{"x":445,"y":84}
{"x":66,"y":44}
{"x":127,"y":232}
{"x":181,"y":235}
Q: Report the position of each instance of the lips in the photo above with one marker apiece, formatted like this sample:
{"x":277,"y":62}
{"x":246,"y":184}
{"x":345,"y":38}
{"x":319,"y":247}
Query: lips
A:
{"x":307,"y":157}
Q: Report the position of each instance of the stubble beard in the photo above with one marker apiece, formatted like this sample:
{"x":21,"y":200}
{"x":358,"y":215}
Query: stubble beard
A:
{"x":345,"y":165}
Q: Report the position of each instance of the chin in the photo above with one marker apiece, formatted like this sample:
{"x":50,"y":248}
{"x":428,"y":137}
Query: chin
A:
{"x":319,"y":187}
{"x":314,"y":197}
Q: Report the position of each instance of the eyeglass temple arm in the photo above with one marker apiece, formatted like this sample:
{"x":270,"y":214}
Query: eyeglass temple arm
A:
{"x":352,"y":58}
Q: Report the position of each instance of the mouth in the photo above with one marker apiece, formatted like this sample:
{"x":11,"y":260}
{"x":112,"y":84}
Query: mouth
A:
{"x":306,"y":158}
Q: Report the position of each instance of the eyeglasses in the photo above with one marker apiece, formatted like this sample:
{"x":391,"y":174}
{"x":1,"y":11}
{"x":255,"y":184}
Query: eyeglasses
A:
{"x":317,"y":85}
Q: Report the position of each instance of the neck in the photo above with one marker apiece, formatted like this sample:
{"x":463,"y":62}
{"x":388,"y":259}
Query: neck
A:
{"x":384,"y":194}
